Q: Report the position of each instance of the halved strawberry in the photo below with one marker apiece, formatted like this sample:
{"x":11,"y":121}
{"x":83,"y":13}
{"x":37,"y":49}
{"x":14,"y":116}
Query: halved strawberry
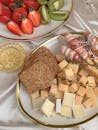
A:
{"x":1,"y":7}
{"x":27,"y":26}
{"x":14,"y":28}
{"x":35,"y":17}
{"x":18,"y":14}
{"x":6,"y":15}
{"x":31,"y":4}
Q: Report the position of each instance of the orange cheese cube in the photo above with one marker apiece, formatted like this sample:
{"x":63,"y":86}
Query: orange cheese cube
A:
{"x":44,"y":93}
{"x":63,"y":87}
{"x":63,"y":64}
{"x":90,"y":92}
{"x":73,"y":88}
{"x":90,"y":102}
{"x":53,"y":89}
{"x":78,"y":100}
{"x":81,"y":91}
{"x":59,"y":95}
{"x":96,"y":91}
{"x":83,"y":80}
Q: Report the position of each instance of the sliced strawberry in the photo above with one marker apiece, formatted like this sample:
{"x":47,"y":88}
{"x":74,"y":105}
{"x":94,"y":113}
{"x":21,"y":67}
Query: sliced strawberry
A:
{"x":1,"y":7}
{"x":18,"y":14}
{"x":6,"y":15}
{"x":35,"y":17}
{"x":31,"y":4}
{"x":27,"y":26}
{"x":14,"y":28}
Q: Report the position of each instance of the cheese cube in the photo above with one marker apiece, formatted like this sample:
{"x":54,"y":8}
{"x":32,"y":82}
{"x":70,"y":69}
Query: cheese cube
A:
{"x":83,"y":80}
{"x":58,"y":105}
{"x":59,"y":94}
{"x":37,"y":102}
{"x":90,"y":102}
{"x":68,"y":99}
{"x":63,"y":64}
{"x":47,"y":107}
{"x":81,"y":91}
{"x":96,"y":91}
{"x":69,"y":74}
{"x":44,"y":93}
{"x":53,"y":89}
{"x":35,"y":94}
{"x":83,"y":72}
{"x":78,"y":100}
{"x":54,"y":81}
{"x":61,"y":75}
{"x":75,"y":67}
{"x":63,"y":87}
{"x":90,"y":92}
{"x":59,"y":57}
{"x":91,"y":81}
{"x":73,"y":88}
{"x":66,"y":111}
{"x":78,"y":111}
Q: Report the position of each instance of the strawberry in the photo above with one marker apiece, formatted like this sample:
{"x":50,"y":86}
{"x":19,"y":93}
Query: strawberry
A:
{"x":6,"y":15}
{"x":7,"y":2}
{"x":35,"y":17}
{"x":1,"y":7}
{"x":31,"y":4}
{"x":14,"y":28}
{"x":27,"y":26}
{"x":18,"y":14}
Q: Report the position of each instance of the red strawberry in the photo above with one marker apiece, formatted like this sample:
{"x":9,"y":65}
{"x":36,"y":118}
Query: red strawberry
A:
{"x":31,"y":4}
{"x":35,"y":17}
{"x":18,"y":14}
{"x":27,"y":26}
{"x":1,"y":7}
{"x":5,"y":16}
{"x":7,"y":2}
{"x":14,"y":28}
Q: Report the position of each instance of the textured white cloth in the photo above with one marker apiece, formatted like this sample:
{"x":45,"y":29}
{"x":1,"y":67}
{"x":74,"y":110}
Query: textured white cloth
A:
{"x":81,"y":19}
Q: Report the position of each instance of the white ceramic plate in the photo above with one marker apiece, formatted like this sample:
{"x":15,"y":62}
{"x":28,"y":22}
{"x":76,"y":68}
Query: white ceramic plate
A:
{"x":24,"y":101}
{"x":41,"y":31}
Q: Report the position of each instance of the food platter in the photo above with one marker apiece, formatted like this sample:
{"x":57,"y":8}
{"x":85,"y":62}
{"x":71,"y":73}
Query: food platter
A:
{"x":42,"y":30}
{"x":24,"y":100}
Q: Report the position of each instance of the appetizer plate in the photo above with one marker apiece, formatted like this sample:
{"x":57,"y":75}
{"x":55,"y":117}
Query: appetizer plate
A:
{"x":42,"y":30}
{"x":25,"y":105}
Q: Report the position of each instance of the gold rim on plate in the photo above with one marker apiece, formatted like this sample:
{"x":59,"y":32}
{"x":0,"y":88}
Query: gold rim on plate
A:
{"x":36,"y":120}
{"x":44,"y":35}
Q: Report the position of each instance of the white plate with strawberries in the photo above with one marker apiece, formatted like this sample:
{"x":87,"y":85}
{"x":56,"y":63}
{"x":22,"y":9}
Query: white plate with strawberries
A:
{"x":32,"y":19}
{"x":72,"y":98}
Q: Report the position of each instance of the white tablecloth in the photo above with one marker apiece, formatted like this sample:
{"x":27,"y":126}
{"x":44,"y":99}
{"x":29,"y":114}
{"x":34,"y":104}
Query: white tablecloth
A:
{"x":82,"y":19}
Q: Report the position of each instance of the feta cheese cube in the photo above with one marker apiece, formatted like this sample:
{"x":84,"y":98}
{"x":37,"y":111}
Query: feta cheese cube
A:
{"x":78,"y":111}
{"x":68,"y":99}
{"x":81,"y":91}
{"x":58,"y":105}
{"x":66,"y":111}
{"x":63,"y":64}
{"x":47,"y":107}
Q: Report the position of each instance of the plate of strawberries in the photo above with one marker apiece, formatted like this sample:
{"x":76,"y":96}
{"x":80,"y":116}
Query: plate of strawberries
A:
{"x":32,"y":19}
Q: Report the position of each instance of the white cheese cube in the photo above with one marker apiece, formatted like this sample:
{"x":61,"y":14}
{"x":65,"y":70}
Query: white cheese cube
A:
{"x":37,"y":102}
{"x":35,"y":94}
{"x":66,"y":111}
{"x":48,"y":107}
{"x":78,"y":111}
{"x":68,"y":99}
{"x":58,"y":105}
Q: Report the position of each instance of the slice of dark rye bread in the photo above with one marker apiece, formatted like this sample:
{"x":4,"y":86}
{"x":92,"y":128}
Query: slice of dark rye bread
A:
{"x":43,"y":54}
{"x":39,"y":70}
